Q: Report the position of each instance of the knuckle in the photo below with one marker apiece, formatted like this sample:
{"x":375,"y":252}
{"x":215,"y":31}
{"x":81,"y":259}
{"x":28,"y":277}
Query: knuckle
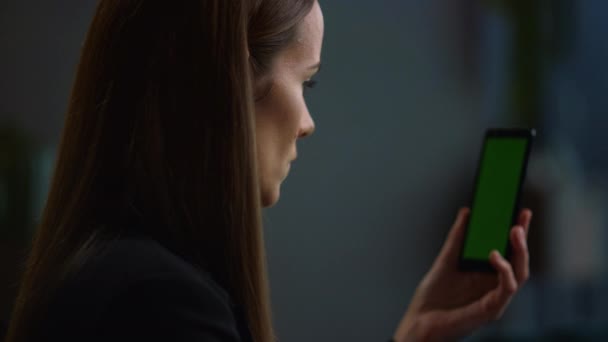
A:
{"x":506,"y":270}
{"x":493,"y":313}
{"x":490,"y":311}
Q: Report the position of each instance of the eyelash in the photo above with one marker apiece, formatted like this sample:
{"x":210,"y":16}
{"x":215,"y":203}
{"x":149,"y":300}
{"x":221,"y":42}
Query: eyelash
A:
{"x":310,"y":84}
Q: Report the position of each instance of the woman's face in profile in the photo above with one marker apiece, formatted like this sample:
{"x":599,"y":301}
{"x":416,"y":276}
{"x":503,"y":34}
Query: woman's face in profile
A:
{"x":282,"y":116}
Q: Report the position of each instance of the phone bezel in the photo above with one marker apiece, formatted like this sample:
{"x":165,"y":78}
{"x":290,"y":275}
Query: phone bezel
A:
{"x":529,"y":134}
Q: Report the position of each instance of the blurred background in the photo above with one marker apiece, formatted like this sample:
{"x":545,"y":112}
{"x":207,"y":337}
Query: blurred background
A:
{"x":406,"y":91}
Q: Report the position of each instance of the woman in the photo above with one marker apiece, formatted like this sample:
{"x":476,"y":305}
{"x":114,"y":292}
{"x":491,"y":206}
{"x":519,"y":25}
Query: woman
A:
{"x":182,"y":123}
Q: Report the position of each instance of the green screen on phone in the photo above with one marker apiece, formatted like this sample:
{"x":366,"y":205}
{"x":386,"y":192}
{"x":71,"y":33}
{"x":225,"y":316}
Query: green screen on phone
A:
{"x":495,"y":196}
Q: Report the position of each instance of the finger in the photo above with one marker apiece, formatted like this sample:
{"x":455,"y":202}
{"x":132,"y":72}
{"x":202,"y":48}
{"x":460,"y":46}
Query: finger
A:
{"x":492,"y":304}
{"x":507,"y":283}
{"x":464,"y":320}
{"x":453,"y":242}
{"x":489,"y":307}
{"x":521,"y":257}
{"x":525,"y":216}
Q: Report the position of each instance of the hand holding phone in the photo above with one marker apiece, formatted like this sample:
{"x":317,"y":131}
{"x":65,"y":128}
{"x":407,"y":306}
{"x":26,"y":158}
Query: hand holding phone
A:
{"x":450,"y":304}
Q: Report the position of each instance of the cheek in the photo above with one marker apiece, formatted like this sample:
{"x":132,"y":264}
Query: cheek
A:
{"x":277,"y":118}
{"x":276,"y":132}
{"x":274,"y":142}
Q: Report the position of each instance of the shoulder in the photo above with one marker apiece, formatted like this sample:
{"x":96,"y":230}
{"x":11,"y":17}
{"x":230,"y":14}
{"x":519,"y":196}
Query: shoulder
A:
{"x":126,"y":261}
{"x":137,"y":289}
{"x":132,"y":262}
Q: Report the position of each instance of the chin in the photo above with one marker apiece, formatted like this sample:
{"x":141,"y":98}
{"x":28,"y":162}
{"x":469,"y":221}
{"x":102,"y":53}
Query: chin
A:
{"x":270,"y":196}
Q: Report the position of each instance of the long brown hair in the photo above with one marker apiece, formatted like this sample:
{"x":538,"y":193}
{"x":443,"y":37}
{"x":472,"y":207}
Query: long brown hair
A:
{"x":160,"y":131}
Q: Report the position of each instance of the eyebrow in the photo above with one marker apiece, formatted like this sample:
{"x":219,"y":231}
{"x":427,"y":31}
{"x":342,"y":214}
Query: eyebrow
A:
{"x":316,"y":66}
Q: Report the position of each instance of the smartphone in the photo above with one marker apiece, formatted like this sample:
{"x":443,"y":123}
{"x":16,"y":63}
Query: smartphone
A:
{"x":495,"y":204}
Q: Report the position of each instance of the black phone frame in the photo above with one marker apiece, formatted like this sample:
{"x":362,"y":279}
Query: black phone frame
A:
{"x":476,"y":265}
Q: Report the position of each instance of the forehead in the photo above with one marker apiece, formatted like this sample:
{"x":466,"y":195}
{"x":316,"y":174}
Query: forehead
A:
{"x":311,"y":29}
{"x":309,"y":38}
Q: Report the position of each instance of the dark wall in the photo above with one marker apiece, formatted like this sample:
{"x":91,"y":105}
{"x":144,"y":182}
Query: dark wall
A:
{"x":40,"y":45}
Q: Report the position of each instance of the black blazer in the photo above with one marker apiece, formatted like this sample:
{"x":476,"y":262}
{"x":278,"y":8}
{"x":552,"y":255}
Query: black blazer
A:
{"x":137,"y":290}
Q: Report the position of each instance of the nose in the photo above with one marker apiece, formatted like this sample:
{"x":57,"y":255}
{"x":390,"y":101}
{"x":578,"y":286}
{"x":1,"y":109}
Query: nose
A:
{"x":307,"y":125}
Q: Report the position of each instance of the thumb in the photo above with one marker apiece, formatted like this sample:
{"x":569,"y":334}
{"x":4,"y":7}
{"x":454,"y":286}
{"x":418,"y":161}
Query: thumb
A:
{"x":451,"y":247}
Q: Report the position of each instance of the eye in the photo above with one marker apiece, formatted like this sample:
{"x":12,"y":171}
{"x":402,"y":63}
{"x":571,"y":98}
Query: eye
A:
{"x":310,"y":84}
